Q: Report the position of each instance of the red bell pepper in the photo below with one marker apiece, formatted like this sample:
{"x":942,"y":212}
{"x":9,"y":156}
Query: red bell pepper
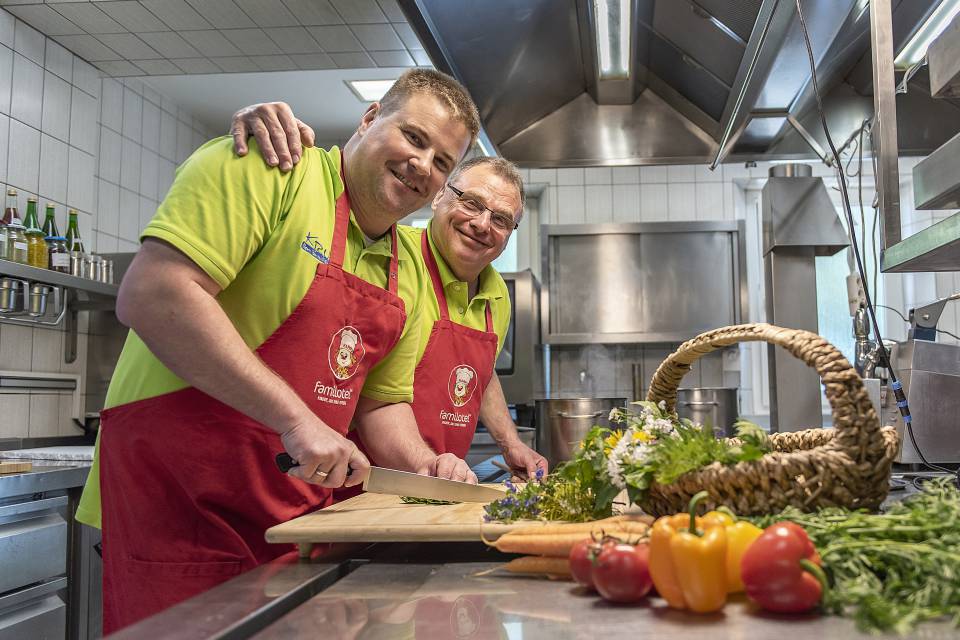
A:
{"x":781,"y":570}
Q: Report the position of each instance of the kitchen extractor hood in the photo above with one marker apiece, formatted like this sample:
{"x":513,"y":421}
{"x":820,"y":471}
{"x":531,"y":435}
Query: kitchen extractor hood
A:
{"x":706,"y":80}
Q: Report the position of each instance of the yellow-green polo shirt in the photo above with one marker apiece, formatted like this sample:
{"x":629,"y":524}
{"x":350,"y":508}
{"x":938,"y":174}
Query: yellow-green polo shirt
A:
{"x":470,"y":313}
{"x":259,"y":233}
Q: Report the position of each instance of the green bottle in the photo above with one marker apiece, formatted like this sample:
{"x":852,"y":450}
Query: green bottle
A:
{"x":74,"y":243}
{"x":32,"y":222}
{"x":50,"y":221}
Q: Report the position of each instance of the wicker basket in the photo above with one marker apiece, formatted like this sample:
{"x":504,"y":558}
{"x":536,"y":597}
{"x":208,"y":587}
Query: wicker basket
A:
{"x":846,"y":466}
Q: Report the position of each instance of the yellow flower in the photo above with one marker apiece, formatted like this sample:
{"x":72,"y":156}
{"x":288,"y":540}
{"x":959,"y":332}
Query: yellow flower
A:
{"x":640,"y":436}
{"x":611,"y":441}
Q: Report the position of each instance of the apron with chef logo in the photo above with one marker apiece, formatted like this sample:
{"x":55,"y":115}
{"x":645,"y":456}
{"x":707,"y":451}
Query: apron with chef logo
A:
{"x":189,"y":485}
{"x":450,"y":379}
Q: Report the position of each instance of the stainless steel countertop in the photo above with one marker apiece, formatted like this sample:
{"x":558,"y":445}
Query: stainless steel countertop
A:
{"x":439,"y":601}
{"x":46,"y":475}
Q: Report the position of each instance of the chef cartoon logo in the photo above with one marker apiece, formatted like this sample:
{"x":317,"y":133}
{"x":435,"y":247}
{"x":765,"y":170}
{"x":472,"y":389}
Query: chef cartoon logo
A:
{"x":345,"y":353}
{"x":461,"y":385}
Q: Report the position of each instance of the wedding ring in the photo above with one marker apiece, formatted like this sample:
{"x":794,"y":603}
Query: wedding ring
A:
{"x":320,"y":474}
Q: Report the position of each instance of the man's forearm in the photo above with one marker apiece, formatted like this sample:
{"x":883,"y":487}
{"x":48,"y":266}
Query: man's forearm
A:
{"x":188,"y":331}
{"x":495,"y":415}
{"x":390,"y":435}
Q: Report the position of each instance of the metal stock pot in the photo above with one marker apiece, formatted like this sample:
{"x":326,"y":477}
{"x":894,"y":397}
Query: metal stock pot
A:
{"x":562,"y":423}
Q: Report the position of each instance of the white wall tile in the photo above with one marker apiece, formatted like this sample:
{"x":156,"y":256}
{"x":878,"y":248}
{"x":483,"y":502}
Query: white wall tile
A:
{"x":735,"y":170}
{"x":626,"y":202}
{"x":654,"y":205}
{"x":127,"y":246}
{"x":23,"y":161}
{"x":28,"y":42}
{"x":599,"y":203}
{"x":7,"y":25}
{"x":16,"y":348}
{"x":56,"y":107}
{"x":683,"y":201}
{"x":710,"y":201}
{"x":4,"y":146}
{"x":625,"y":175}
{"x":148,"y":207}
{"x":130,"y":164}
{"x":86,"y":77}
{"x":570,"y":205}
{"x":110,"y":155}
{"x":80,"y":187}
{"x":653,"y":175}
{"x":681,"y":173}
{"x":132,"y":115}
{"x":47,"y":350}
{"x":168,"y":136}
{"x":543,"y":175}
{"x":568,"y":177}
{"x":148,"y":174}
{"x":26,"y":100}
{"x":108,"y":208}
{"x":151,"y":126}
{"x":54,"y":169}
{"x":111,"y":105}
{"x":129,"y":223}
{"x":106,"y":243}
{"x":165,"y":172}
{"x":597,"y":175}
{"x":184,"y":142}
{"x":15,"y":409}
{"x":44,"y":415}
{"x":84,"y":132}
{"x":702,"y":173}
{"x":58,"y":60}
{"x":6,"y":78}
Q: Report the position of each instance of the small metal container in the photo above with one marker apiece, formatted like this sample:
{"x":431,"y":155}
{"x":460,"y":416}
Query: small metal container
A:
{"x":106,"y":270}
{"x":76,"y":264}
{"x":8,"y":294}
{"x":38,"y":300}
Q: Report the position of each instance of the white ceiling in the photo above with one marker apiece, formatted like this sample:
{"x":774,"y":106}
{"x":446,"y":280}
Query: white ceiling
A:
{"x":319,"y":98}
{"x":171,"y":37}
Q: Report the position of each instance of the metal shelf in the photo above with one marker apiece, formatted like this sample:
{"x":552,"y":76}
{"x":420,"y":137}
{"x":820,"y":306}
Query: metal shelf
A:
{"x":936,"y":248}
{"x":57,"y":279}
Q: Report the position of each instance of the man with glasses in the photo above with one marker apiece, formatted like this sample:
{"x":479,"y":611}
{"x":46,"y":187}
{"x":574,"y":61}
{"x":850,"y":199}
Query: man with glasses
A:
{"x":465,"y":320}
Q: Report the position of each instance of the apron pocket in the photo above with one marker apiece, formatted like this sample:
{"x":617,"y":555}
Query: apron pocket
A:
{"x":224,"y":568}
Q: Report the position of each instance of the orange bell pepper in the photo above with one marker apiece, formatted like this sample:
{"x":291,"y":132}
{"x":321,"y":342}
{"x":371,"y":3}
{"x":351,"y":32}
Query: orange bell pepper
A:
{"x":688,"y":560}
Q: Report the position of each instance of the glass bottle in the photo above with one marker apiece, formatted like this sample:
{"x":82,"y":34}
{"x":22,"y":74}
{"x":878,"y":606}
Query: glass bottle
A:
{"x":50,"y":221}
{"x":10,"y":213}
{"x":17,"y":243}
{"x":58,"y":258}
{"x":74,"y":243}
{"x":36,"y":246}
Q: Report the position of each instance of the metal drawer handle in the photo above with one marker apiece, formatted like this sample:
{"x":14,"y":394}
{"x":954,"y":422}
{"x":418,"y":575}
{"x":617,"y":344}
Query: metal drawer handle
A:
{"x":579,"y":416}
{"x":709,"y":403}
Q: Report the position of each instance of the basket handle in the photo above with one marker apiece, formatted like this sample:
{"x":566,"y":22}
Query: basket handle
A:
{"x":854,"y":417}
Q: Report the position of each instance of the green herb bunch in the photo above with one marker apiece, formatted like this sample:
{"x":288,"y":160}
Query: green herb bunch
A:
{"x":893,"y":570}
{"x":558,"y":496}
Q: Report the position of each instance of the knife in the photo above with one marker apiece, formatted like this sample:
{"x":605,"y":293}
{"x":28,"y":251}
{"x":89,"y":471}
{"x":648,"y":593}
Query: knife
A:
{"x":405,"y":483}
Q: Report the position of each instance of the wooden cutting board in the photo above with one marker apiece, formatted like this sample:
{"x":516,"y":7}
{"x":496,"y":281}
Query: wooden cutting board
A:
{"x":371,"y":517}
{"x":15,"y":466}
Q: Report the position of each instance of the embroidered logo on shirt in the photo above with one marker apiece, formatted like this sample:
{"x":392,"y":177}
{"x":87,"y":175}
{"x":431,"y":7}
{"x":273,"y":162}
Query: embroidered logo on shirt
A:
{"x":345,"y":352}
{"x":461,"y":384}
{"x":314,"y":247}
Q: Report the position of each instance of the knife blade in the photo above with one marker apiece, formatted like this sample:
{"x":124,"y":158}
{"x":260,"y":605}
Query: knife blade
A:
{"x":405,"y":483}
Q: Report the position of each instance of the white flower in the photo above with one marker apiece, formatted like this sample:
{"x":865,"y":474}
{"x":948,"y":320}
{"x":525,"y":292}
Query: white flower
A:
{"x":663,"y":405}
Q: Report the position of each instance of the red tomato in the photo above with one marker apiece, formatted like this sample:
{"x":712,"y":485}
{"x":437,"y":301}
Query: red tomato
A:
{"x":581,"y":562}
{"x":621,"y":572}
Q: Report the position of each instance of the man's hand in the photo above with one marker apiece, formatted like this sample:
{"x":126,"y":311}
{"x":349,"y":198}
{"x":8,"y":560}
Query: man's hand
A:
{"x":523,"y":461}
{"x":324,"y":455}
{"x":279,"y":134}
{"x":448,"y":466}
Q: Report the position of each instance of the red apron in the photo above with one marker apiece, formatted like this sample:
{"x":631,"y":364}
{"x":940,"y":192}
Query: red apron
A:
{"x":189,"y":485}
{"x":450,"y":379}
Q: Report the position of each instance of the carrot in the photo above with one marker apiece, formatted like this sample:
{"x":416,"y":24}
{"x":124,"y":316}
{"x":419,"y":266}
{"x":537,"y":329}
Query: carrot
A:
{"x":560,"y":544}
{"x":540,"y":565}
{"x":616,"y":522}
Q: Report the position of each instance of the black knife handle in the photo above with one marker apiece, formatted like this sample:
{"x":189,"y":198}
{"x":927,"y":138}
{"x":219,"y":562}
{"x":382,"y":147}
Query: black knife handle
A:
{"x":285,"y":462}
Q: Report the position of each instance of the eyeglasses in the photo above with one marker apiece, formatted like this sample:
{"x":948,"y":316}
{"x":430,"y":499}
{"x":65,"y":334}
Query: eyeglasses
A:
{"x":500,"y":221}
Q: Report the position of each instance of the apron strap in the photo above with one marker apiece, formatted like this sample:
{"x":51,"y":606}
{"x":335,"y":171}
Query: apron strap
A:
{"x":434,"y":271}
{"x":394,"y":269}
{"x":342,"y":219}
{"x":489,"y":318}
